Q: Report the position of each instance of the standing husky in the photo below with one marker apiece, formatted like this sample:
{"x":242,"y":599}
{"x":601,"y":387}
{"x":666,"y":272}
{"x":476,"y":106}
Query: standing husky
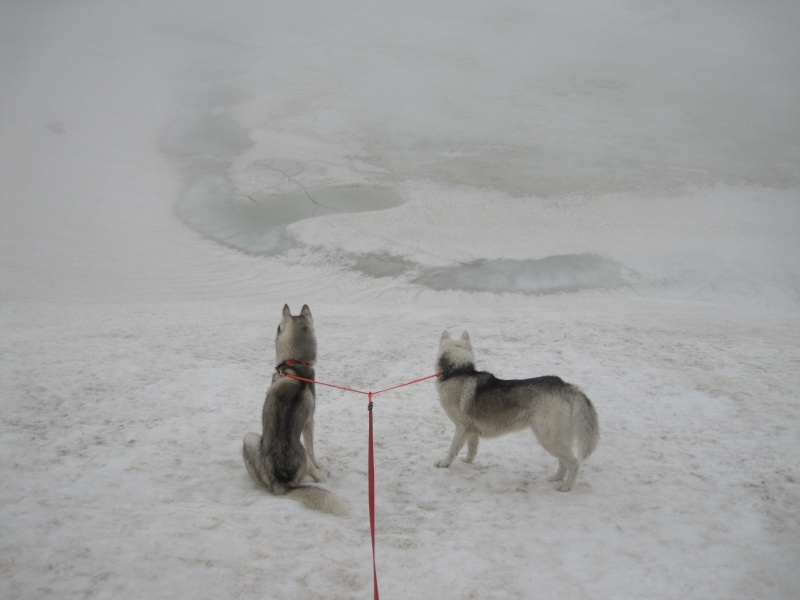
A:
{"x":277,"y":459}
{"x":481,"y":405}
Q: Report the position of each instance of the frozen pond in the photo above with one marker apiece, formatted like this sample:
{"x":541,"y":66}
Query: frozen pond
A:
{"x":257,"y":223}
{"x":618,"y":108}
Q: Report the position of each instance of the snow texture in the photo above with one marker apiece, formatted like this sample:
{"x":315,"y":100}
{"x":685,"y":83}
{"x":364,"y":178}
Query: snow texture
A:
{"x":604,"y":191}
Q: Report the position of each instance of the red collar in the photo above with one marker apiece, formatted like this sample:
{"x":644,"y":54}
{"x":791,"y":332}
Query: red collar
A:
{"x":291,"y":361}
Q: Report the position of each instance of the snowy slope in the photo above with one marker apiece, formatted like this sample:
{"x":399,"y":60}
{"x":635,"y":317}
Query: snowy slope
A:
{"x":623,"y":176}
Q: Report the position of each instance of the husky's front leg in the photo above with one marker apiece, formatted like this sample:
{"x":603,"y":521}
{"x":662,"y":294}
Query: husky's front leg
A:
{"x":308,"y":439}
{"x":459,"y":438}
{"x":312,"y":470}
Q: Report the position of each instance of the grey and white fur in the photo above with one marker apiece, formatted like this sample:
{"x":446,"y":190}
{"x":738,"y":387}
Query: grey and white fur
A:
{"x":481,"y":405}
{"x":277,"y":458}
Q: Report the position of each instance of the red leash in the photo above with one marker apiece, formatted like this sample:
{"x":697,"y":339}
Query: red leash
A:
{"x":371,"y":478}
{"x":370,"y":459}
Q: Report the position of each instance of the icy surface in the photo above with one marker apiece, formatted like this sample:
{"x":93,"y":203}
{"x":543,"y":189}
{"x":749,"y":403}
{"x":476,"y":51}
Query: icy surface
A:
{"x":257,"y":223}
{"x":563,"y":273}
{"x":645,"y":154}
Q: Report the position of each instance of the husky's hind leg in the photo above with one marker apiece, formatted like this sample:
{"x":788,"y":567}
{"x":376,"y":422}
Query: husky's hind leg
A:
{"x":562,"y":470}
{"x":567,"y":467}
{"x":251,"y":452}
{"x":567,"y":463}
{"x":472,"y":447}
{"x":459,"y":437}
{"x":572,"y":472}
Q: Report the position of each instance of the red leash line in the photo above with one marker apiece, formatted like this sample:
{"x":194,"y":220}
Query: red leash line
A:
{"x":338,"y":387}
{"x":347,"y":389}
{"x":371,"y":478}
{"x":370,"y":455}
{"x":437,"y":374}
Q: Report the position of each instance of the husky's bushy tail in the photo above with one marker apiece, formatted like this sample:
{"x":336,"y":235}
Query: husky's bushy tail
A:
{"x":586,"y":429}
{"x":317,"y":498}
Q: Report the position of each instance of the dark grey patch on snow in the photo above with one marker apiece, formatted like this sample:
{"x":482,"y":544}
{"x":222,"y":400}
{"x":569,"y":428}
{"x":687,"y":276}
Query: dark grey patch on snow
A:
{"x":552,"y":274}
{"x":56,"y":127}
{"x":206,"y":135}
{"x":382,"y":265}
{"x":218,"y":96}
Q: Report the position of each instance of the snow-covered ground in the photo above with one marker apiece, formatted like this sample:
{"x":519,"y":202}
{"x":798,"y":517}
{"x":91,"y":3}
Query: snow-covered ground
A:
{"x":607,"y":191}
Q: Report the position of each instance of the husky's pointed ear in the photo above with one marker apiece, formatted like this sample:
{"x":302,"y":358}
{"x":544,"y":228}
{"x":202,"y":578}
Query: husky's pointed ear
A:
{"x":286,"y":312}
{"x":465,"y":336}
{"x":445,"y":336}
{"x":306,"y":312}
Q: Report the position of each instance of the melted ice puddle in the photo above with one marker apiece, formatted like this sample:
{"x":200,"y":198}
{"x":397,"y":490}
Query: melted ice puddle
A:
{"x":551,"y":274}
{"x":257,"y":223}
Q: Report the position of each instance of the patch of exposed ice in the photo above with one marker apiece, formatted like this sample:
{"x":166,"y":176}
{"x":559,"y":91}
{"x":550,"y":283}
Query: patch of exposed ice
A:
{"x":551,"y":274}
{"x":257,"y":223}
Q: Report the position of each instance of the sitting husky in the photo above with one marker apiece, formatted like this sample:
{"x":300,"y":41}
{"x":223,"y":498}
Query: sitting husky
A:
{"x":277,"y":458}
{"x":481,"y":405}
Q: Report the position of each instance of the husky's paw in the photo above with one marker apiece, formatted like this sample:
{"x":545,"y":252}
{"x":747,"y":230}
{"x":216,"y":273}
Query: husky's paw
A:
{"x":317,"y":474}
{"x":442,"y":464}
{"x":564,"y":487}
{"x":559,"y":475}
{"x":468,"y":459}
